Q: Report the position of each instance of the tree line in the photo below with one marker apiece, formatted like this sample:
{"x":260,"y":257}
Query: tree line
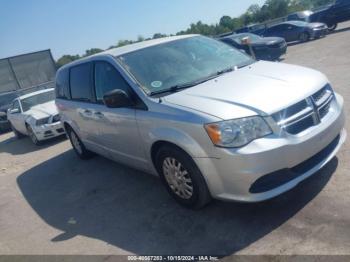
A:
{"x":271,"y":9}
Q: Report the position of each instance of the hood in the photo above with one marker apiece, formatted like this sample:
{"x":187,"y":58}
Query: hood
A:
{"x":268,"y":41}
{"x":43,"y":110}
{"x":261,"y":88}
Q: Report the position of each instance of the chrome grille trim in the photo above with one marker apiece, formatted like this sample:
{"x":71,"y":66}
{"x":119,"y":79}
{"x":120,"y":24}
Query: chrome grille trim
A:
{"x":294,"y":121}
{"x":294,"y":118}
{"x":323,"y":110}
{"x":306,"y":113}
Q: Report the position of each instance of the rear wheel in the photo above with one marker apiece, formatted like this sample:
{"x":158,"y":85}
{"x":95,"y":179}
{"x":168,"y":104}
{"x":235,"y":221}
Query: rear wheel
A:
{"x":304,"y":37}
{"x":182,"y":178}
{"x":78,"y":145}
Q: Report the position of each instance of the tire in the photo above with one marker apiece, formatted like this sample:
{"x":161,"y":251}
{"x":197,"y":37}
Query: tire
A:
{"x":332,"y":27}
{"x":189,"y":188}
{"x":17,"y":133}
{"x":78,"y":145}
{"x":304,"y":37}
{"x":32,"y":136}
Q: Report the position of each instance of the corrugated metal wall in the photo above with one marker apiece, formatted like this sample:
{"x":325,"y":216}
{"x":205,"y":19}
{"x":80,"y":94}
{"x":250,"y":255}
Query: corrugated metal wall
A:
{"x":25,"y":71}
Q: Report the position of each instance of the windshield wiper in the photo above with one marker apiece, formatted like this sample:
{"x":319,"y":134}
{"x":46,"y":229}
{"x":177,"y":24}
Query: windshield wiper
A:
{"x":227,"y":70}
{"x":177,"y":88}
{"x":245,"y":64}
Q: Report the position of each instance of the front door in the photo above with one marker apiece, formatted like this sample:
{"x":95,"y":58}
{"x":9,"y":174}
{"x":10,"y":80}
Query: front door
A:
{"x":17,"y":119}
{"x":118,"y":130}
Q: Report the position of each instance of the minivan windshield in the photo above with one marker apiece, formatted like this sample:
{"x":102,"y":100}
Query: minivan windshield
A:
{"x":42,"y":98}
{"x":182,"y":63}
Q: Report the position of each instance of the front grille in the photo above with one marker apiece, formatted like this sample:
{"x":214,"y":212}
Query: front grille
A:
{"x":324,"y":110}
{"x":300,"y":126}
{"x":318,"y":95}
{"x":60,"y":130}
{"x":306,"y":113}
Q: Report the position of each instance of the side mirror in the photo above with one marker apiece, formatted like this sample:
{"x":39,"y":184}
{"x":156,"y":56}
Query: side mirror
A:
{"x":14,"y":111}
{"x":245,"y":40}
{"x":117,"y":98}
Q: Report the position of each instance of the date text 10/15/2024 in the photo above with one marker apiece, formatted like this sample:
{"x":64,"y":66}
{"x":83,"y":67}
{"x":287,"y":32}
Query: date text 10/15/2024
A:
{"x":173,"y":258}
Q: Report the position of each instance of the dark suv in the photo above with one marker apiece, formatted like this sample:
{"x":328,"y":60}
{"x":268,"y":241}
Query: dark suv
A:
{"x":332,"y":15}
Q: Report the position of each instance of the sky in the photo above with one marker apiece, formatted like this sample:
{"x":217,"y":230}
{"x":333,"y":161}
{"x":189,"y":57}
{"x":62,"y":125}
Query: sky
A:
{"x":73,"y":26}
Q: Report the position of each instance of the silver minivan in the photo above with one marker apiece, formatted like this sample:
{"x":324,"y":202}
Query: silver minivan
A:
{"x":206,"y":118}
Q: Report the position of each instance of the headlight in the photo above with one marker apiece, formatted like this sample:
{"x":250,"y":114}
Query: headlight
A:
{"x":237,"y":132}
{"x":42,"y":121}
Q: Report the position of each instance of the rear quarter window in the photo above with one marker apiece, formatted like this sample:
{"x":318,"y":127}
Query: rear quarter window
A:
{"x":81,"y":82}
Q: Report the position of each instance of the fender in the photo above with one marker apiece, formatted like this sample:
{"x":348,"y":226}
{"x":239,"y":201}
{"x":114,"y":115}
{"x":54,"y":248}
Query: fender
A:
{"x":177,"y":137}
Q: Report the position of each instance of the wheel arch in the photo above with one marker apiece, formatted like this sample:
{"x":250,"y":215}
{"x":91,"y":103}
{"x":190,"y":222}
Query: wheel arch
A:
{"x":174,"y":137}
{"x":29,"y":121}
{"x":157,"y":145}
{"x":69,"y":125}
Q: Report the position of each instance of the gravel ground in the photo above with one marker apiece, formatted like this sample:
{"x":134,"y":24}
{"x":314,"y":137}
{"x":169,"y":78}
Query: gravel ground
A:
{"x":53,"y":203}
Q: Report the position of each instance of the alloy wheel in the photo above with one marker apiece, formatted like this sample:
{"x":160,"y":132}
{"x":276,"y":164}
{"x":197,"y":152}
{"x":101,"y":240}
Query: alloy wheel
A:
{"x":32,"y":135}
{"x":304,"y":37}
{"x":177,"y":178}
{"x":76,"y":143}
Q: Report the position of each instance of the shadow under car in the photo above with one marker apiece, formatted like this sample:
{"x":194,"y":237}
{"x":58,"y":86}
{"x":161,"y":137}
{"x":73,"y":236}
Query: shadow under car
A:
{"x":131,"y":210}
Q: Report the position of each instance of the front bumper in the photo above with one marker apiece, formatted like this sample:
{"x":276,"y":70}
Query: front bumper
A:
{"x":317,"y":33}
{"x":235,"y":174}
{"x":48,"y":131}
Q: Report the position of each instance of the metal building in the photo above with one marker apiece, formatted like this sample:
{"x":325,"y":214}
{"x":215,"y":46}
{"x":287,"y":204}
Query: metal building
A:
{"x":26,"y":71}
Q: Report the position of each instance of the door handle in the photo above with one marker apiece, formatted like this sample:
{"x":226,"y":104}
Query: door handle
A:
{"x":85,"y":113}
{"x":99,"y":114}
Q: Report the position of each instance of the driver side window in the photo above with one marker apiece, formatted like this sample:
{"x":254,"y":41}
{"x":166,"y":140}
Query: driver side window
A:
{"x":107,"y":78}
{"x":16,"y":105}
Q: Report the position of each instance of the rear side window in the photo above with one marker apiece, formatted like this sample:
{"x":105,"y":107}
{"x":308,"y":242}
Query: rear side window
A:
{"x":62,"y":84}
{"x":80,"y":82}
{"x":107,"y":78}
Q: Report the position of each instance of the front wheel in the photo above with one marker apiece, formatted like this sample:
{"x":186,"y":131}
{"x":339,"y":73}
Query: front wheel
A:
{"x":78,"y":145}
{"x":304,"y":37}
{"x":182,"y":178}
{"x":32,"y":136}
{"x":332,"y":27}
{"x":18,"y":134}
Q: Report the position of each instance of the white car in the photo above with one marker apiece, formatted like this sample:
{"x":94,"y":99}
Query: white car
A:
{"x":36,"y":116}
